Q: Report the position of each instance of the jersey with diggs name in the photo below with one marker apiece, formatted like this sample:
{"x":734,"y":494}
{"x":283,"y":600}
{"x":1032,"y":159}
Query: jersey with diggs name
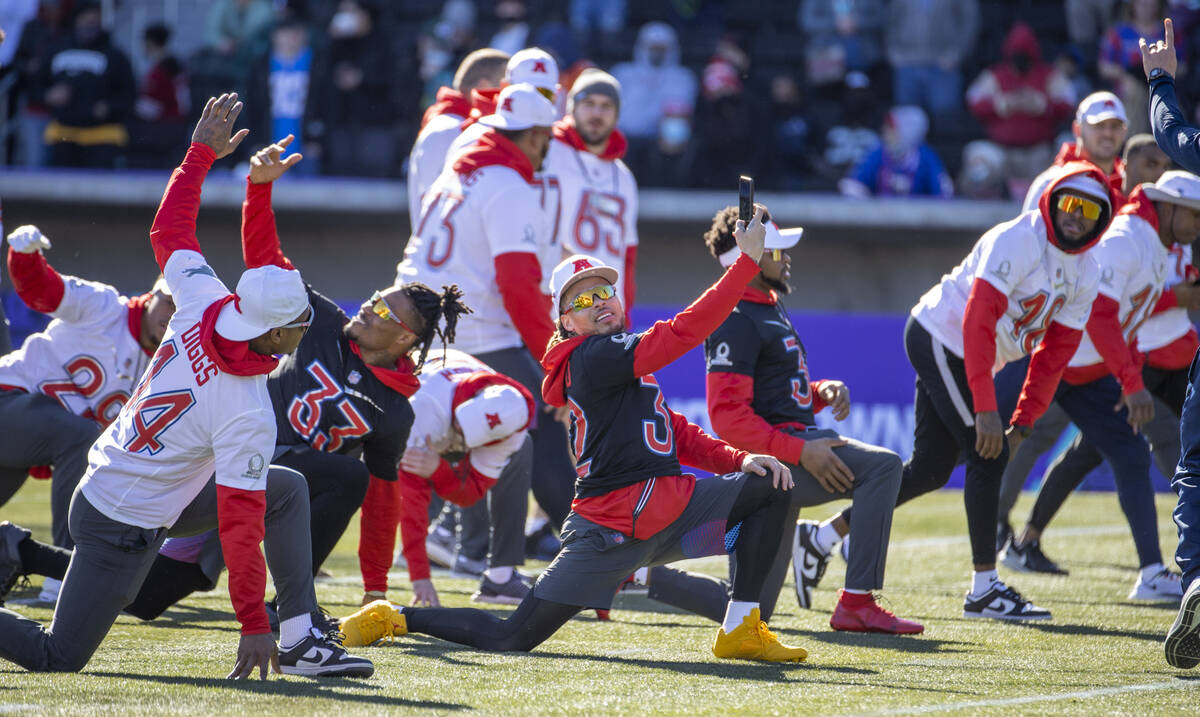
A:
{"x":427,"y":159}
{"x":1161,"y":329}
{"x":185,"y":420}
{"x":621,"y":429}
{"x":599,"y":205}
{"x":326,"y":396}
{"x":87,"y":359}
{"x":1043,"y":283}
{"x":759,"y":341}
{"x":434,"y":404}
{"x":1133,"y":269}
{"x":467,"y":221}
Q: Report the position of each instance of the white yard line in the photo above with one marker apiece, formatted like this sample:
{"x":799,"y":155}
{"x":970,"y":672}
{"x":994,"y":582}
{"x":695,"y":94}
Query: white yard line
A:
{"x":1033,"y":699}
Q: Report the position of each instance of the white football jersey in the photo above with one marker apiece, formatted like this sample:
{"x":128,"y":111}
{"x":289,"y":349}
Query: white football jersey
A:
{"x":599,"y":205}
{"x":1162,"y":329}
{"x":427,"y":158}
{"x":1133,"y":269}
{"x":467,"y":221}
{"x":185,"y":420}
{"x":1042,"y":282}
{"x":433,"y":406}
{"x":87,"y":359}
{"x":464,"y":140}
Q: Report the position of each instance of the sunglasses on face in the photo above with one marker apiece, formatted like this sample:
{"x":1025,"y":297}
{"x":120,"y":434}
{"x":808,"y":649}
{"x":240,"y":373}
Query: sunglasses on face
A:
{"x":1069,"y":203}
{"x":380,"y":308}
{"x":301,"y":324}
{"x":588,"y":298}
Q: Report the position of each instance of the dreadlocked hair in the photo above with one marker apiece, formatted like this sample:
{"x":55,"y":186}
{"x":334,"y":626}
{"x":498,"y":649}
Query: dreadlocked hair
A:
{"x":560,"y":335}
{"x":432,"y":306}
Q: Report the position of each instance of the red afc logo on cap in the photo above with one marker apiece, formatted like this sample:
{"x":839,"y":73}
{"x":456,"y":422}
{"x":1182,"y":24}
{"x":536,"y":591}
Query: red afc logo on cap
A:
{"x":507,"y":106}
{"x":540,"y":66}
{"x":1110,"y":104}
{"x":493,"y":420}
{"x":581,"y":264}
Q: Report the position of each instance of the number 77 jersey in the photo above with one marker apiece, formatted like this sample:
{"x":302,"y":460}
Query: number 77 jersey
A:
{"x":1043,"y":284}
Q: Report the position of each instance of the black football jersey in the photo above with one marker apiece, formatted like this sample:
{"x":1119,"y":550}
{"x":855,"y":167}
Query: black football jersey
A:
{"x":759,"y":341}
{"x":325,"y":396}
{"x":621,"y":431}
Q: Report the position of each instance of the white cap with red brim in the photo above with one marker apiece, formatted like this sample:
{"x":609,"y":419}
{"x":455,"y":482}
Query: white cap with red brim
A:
{"x":776,"y":239}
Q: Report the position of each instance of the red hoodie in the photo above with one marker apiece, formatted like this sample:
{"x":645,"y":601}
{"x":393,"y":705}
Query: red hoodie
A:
{"x":449,"y":101}
{"x":988,"y":95}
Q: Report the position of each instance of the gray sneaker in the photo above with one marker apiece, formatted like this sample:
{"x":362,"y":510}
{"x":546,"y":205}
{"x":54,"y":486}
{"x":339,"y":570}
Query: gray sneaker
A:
{"x":10,"y":558}
{"x":509,"y":593}
{"x":1183,"y":640}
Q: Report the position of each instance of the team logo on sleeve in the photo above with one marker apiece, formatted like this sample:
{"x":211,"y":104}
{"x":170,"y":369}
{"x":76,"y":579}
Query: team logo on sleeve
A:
{"x":204,"y":269}
{"x":1106,"y":276}
{"x":1003,"y":270}
{"x":254,"y":467}
{"x":720,"y":355}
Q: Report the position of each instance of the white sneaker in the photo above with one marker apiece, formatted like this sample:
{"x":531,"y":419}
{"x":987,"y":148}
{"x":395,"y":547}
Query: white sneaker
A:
{"x":844,"y":548}
{"x":1001,"y":602}
{"x":49,"y":593}
{"x":808,"y":561}
{"x":1165,"y":586}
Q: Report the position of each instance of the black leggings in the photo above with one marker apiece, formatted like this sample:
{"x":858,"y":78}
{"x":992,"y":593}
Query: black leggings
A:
{"x":761,"y":509}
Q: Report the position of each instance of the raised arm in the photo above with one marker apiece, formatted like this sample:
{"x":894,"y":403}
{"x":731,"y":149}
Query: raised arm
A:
{"x":36,"y":282}
{"x":260,"y":239}
{"x":174,"y":225}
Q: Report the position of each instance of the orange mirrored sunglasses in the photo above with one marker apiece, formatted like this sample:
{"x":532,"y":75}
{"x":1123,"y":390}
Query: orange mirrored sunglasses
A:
{"x":1070,"y":202}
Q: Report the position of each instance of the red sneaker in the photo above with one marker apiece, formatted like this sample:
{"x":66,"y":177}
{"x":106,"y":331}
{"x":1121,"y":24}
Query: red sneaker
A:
{"x":602,"y":614}
{"x":867,"y":616}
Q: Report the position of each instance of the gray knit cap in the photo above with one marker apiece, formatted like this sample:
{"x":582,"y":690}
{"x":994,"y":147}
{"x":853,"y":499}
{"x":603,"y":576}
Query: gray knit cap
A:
{"x":594,"y":81}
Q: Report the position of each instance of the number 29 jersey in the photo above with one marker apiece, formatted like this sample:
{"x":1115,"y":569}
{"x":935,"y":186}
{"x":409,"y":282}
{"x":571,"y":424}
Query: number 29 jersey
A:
{"x":1043,"y":284}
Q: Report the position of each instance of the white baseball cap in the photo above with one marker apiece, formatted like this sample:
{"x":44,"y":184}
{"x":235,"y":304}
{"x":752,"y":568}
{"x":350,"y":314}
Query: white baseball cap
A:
{"x":1100,"y":106}
{"x":575,"y":268}
{"x":493,"y":414}
{"x":776,"y":239}
{"x":268,"y":297}
{"x":537,"y":67}
{"x":521,"y":106}
{"x":1175,"y":187}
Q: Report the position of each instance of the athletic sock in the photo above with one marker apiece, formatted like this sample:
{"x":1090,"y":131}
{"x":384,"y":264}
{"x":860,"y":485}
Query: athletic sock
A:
{"x":294,"y":629}
{"x":1150,"y":571}
{"x":826,"y":536}
{"x":735,"y":613}
{"x":42,"y":559}
{"x":856,"y":598}
{"x":981,"y":582}
{"x":499,"y":575}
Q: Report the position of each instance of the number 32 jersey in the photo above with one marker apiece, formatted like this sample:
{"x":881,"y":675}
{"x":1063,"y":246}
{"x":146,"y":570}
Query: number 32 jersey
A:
{"x":1043,"y":284}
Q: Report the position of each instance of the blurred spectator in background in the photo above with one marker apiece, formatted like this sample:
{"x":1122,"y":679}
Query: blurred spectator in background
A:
{"x":1070,"y":64}
{"x":90,"y":93}
{"x":14,"y":14}
{"x":39,"y":39}
{"x":1120,"y":63}
{"x":589,"y":16}
{"x":659,"y":97}
{"x":846,"y":129}
{"x":450,"y":36}
{"x":789,"y":136}
{"x":514,"y":27}
{"x":729,"y":140}
{"x":283,"y":94}
{"x":361,"y":114}
{"x":927,"y":41}
{"x":902,"y":165}
{"x":983,"y":172}
{"x":842,"y":36}
{"x":235,"y":34}
{"x":1087,"y":21}
{"x":162,"y":104}
{"x":1021,"y":101}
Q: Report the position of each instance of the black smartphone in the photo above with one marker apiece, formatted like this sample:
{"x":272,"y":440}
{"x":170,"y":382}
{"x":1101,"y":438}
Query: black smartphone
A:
{"x":745,"y":198}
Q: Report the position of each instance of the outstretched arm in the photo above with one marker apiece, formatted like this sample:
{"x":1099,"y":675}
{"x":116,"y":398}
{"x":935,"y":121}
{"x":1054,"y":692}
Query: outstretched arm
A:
{"x":260,"y":239}
{"x":174,"y":225}
{"x":36,"y":282}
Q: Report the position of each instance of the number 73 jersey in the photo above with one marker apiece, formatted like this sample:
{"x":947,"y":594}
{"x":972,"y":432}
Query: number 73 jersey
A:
{"x":1043,"y":284}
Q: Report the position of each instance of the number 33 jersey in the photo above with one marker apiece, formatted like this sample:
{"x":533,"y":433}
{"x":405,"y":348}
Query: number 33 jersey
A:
{"x":1043,"y":284}
{"x":186,"y":419}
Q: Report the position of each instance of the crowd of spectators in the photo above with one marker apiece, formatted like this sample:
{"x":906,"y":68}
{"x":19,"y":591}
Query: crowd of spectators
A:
{"x":868,"y":97}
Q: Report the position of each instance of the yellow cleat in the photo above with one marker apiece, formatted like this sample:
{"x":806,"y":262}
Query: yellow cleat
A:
{"x":753,"y":641}
{"x":373,"y":622}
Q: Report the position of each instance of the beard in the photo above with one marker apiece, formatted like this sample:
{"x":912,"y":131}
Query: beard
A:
{"x":779,"y":285}
{"x":593,"y":138}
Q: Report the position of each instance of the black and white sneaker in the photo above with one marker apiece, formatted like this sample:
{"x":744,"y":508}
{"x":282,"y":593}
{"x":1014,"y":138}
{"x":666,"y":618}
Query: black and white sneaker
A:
{"x":1183,"y":639}
{"x":11,"y":569}
{"x":1001,"y":602}
{"x":1030,"y":559}
{"x":321,"y":655}
{"x":808,"y":561}
{"x":508,"y":593}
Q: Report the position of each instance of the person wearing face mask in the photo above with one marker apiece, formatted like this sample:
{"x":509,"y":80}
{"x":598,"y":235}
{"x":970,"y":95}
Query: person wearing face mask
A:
{"x":90,"y":91}
{"x":1020,"y":101}
{"x":902,"y":164}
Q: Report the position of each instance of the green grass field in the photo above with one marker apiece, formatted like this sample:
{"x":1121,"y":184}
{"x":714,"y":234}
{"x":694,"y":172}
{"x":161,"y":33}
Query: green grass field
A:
{"x":1100,"y":654}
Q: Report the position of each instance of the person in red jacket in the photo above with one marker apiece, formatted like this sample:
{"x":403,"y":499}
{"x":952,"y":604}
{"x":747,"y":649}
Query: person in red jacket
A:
{"x":190,"y":450}
{"x":633,"y":504}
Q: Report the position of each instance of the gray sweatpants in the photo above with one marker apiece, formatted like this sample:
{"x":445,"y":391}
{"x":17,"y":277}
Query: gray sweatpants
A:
{"x":877,"y":474}
{"x":111,"y":560}
{"x":35,"y":430}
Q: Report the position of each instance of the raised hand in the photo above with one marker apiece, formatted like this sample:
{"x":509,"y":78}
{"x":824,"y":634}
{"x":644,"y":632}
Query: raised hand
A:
{"x":27,"y":239}
{"x":215,"y":127}
{"x":751,"y":237}
{"x":1161,"y":53}
{"x":268,"y":164}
